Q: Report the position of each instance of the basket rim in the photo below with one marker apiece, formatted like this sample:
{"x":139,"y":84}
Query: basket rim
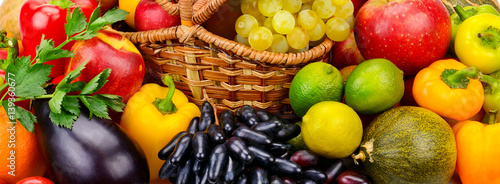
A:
{"x":185,"y":34}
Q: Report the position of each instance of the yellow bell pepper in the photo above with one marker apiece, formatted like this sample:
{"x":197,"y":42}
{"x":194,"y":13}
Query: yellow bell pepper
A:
{"x":153,"y":121}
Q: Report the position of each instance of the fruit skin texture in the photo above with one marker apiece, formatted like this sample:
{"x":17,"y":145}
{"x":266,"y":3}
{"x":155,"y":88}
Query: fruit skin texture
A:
{"x":346,"y":53}
{"x":28,"y":159}
{"x":408,"y":144}
{"x":374,"y":86}
{"x":35,"y":180}
{"x":314,"y":83}
{"x":410,"y":33}
{"x":110,"y":50}
{"x":107,"y":4}
{"x":149,"y":15}
{"x":129,"y":6}
{"x":332,"y":129}
{"x":477,"y":146}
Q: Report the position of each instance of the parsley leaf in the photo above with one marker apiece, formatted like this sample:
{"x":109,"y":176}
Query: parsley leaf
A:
{"x":28,"y":80}
{"x":95,"y":106}
{"x":96,"y":83}
{"x":61,"y":3}
{"x":64,"y":119}
{"x":46,"y":51}
{"x":56,"y":101}
{"x":65,"y":82}
{"x":114,"y":102}
{"x":75,"y":22}
{"x":71,"y":105}
{"x":95,"y":14}
{"x":25,"y":118}
{"x":111,"y":16}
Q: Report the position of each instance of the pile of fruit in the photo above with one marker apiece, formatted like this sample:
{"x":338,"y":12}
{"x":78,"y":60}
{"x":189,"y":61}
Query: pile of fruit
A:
{"x":290,"y":25}
{"x":410,"y":95}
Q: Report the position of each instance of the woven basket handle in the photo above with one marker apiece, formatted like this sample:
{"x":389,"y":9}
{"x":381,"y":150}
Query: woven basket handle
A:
{"x":192,"y":11}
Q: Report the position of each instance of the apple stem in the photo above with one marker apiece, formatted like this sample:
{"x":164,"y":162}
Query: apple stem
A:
{"x":459,"y":79}
{"x":490,"y":37}
{"x":166,"y":106}
{"x":463,"y":14}
{"x":492,"y":116}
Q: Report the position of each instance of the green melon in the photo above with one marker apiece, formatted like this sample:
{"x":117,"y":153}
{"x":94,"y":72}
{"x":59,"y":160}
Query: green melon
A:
{"x":408,"y":144}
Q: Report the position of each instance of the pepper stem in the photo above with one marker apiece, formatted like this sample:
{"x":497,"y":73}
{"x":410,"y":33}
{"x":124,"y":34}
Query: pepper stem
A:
{"x":166,"y":106}
{"x":493,"y":116}
{"x":490,"y":37}
{"x":491,"y":84}
{"x":463,"y":14}
{"x":459,"y":78}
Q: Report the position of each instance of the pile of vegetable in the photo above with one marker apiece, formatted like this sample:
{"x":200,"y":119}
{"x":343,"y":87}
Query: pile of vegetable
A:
{"x":83,"y":91}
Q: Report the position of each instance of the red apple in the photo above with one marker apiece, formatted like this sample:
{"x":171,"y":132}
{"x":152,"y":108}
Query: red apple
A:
{"x":410,"y":33}
{"x":107,"y":4}
{"x":357,"y":5}
{"x":346,"y":53}
{"x":408,"y":99}
{"x":346,"y":71}
{"x":110,"y":50}
{"x":149,"y":15}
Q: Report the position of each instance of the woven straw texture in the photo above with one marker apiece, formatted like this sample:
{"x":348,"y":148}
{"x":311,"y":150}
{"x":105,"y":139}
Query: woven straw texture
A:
{"x":206,"y":66}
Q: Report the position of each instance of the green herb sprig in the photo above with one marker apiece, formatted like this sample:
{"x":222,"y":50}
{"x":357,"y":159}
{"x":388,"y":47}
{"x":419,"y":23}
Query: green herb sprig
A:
{"x":28,"y":81}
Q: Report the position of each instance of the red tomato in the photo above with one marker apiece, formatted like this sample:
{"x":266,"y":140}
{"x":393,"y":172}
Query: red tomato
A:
{"x":35,"y":180}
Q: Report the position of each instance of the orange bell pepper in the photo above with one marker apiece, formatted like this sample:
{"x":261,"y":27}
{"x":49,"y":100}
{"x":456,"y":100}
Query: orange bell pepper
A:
{"x":450,"y":89}
{"x":478,"y":147}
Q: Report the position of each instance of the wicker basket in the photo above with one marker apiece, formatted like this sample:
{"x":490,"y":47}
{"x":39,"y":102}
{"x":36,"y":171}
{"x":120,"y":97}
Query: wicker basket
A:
{"x":231,"y":74}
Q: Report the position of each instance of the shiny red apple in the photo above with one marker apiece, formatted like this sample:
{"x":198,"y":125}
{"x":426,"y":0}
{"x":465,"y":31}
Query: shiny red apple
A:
{"x":107,"y":4}
{"x":346,"y":53}
{"x":410,"y":33}
{"x":110,"y":50}
{"x":357,"y":5}
{"x":149,"y":15}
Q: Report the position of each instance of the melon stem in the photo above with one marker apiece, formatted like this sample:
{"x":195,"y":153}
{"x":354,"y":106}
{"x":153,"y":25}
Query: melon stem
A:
{"x":365,"y":151}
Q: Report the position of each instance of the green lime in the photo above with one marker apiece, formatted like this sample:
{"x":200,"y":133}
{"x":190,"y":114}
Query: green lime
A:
{"x":297,"y":142}
{"x":374,"y":86}
{"x":332,"y":129}
{"x":314,"y":83}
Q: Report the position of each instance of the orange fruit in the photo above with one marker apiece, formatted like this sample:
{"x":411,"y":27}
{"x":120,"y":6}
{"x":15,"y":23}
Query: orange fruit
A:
{"x":27,"y":159}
